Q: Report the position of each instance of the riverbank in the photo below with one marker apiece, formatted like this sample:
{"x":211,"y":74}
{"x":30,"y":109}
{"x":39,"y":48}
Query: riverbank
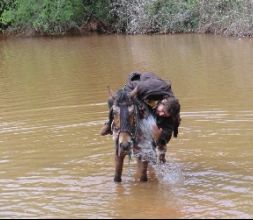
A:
{"x":60,"y":18}
{"x":93,"y":26}
{"x":88,"y":32}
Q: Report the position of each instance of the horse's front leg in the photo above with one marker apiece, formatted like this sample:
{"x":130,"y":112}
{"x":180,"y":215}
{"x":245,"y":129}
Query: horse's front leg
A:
{"x":143,"y":167}
{"x":119,"y":160}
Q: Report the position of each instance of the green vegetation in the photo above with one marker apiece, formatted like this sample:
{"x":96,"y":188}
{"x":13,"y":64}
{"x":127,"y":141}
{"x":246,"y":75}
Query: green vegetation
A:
{"x":54,"y":17}
{"x":51,"y":17}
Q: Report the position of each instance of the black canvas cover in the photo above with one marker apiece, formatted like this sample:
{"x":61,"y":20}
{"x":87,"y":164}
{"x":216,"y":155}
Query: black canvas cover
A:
{"x":150,"y":86}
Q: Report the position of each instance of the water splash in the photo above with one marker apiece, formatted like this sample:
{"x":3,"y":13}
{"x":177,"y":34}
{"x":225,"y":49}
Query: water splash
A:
{"x":145,"y":140}
{"x":168,"y":172}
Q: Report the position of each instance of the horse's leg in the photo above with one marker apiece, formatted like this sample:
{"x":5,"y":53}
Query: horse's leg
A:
{"x":119,"y":160}
{"x":143,"y":166}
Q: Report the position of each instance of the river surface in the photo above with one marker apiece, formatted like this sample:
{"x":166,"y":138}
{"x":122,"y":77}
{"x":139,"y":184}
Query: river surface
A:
{"x":54,"y":163}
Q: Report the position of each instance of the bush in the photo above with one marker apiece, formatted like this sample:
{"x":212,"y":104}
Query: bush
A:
{"x":51,"y":17}
{"x":229,"y":17}
{"x":174,"y":15}
{"x":4,"y":4}
{"x":144,"y":16}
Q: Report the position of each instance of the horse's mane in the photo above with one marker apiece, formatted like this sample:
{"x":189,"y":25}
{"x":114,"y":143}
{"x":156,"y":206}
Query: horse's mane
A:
{"x":122,"y":97}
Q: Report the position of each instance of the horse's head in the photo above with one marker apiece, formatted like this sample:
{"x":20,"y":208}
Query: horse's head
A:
{"x":124,"y":121}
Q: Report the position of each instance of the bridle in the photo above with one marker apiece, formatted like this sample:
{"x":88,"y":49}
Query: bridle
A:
{"x":128,"y":122}
{"x":126,"y":118}
{"x":125,"y":125}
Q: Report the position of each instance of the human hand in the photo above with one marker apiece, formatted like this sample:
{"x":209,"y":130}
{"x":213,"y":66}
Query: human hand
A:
{"x":162,"y":158}
{"x":161,"y":151}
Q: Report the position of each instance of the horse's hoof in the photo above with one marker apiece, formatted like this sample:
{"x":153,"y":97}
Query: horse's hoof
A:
{"x":117,"y":179}
{"x":144,"y":179}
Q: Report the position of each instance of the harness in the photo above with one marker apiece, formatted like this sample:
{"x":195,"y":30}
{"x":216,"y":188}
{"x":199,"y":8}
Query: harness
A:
{"x":126,"y":126}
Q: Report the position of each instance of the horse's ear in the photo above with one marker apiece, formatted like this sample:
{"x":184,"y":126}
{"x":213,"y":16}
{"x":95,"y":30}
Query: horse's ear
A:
{"x":111,"y":93}
{"x":133,"y":93}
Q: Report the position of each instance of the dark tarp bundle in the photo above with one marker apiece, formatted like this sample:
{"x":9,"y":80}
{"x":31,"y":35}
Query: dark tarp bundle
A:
{"x":149,"y":85}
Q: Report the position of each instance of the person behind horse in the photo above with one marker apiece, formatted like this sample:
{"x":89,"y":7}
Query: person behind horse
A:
{"x":157,"y":95}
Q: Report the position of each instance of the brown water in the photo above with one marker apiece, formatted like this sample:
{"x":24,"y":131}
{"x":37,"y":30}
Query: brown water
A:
{"x":54,"y":164}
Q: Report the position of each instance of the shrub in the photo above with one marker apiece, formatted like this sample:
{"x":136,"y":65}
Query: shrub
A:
{"x":144,"y":16}
{"x":52,"y":17}
{"x":229,"y":17}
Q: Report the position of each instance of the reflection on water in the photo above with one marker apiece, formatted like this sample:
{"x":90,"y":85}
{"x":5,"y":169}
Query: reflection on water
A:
{"x":54,"y":164}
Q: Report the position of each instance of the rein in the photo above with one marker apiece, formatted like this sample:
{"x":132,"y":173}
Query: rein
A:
{"x":133,"y":130}
{"x":138,"y":106}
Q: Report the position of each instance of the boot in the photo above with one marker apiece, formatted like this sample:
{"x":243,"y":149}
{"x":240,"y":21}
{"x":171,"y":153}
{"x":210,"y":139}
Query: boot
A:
{"x":106,"y":129}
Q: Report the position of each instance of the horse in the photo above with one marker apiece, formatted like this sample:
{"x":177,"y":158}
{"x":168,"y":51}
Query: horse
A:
{"x":132,"y":132}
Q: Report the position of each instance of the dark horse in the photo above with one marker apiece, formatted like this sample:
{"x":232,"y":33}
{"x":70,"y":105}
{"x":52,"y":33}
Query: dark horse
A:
{"x":131,"y":133}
